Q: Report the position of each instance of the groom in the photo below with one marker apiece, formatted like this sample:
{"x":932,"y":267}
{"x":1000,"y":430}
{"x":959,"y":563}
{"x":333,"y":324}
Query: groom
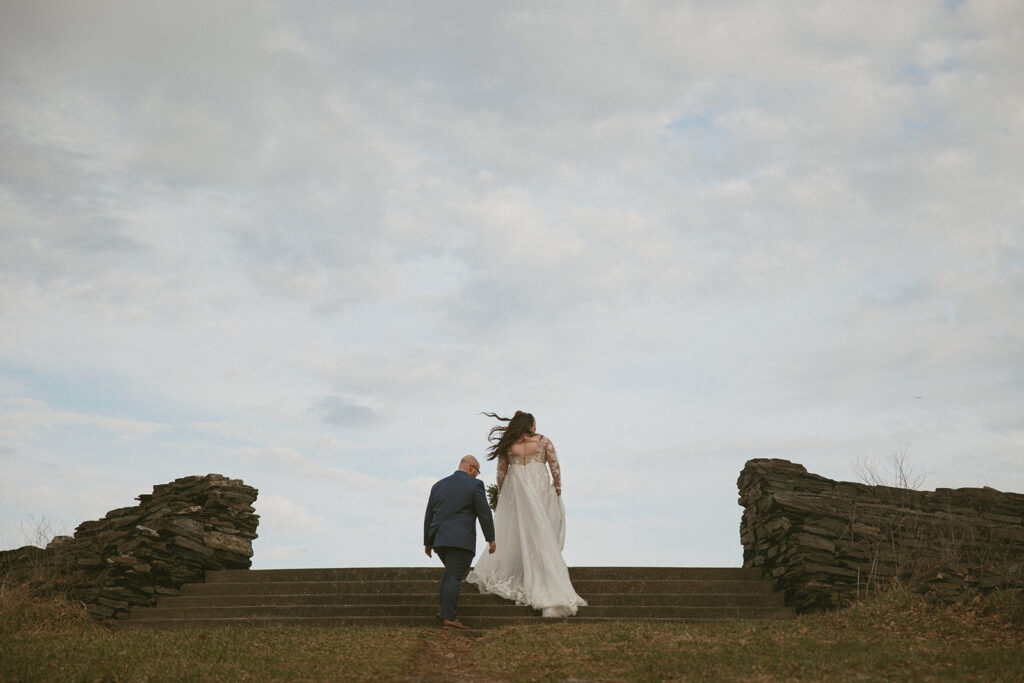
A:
{"x":449,"y":527}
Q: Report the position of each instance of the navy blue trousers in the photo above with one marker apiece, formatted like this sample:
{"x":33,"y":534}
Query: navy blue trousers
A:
{"x":456,"y":566}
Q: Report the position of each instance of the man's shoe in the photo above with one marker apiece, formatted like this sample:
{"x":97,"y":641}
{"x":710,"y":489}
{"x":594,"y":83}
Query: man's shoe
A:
{"x":453,"y":623}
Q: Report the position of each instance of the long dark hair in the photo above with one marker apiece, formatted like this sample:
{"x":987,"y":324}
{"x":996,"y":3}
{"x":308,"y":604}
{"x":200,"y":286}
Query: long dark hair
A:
{"x":503,"y":436}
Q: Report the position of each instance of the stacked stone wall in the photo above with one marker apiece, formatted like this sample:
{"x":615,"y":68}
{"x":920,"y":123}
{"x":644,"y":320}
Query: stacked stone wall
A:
{"x":134,"y":554}
{"x":826,"y":543}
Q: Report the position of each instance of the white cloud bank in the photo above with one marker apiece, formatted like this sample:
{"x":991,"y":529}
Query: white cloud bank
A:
{"x":306,"y":246}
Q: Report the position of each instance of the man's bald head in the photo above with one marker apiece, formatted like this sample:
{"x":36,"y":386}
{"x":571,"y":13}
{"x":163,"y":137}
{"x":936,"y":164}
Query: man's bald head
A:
{"x":469,"y":465}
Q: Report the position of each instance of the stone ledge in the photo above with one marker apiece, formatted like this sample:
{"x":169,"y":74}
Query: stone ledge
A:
{"x":133,"y":554}
{"x":826,"y":543}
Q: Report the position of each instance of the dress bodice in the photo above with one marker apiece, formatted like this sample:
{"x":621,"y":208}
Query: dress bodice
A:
{"x":544,"y":454}
{"x":538,"y":455}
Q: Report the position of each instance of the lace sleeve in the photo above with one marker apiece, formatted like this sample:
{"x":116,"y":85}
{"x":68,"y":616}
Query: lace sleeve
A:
{"x":502,"y":471}
{"x":552,"y":458}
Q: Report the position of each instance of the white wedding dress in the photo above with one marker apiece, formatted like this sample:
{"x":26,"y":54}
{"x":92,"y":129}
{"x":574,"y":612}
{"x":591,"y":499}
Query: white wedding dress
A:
{"x":529,"y":530}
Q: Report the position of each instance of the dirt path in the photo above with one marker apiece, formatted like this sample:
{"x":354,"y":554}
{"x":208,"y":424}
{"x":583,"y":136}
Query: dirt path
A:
{"x":446,"y":657}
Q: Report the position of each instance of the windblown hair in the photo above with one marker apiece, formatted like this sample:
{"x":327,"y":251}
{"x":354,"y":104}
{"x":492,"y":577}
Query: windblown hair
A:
{"x":503,"y":436}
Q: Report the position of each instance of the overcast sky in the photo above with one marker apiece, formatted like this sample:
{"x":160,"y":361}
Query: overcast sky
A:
{"x":305,"y":244}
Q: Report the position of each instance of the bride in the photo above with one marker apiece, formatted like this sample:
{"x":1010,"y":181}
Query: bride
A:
{"x":529,"y":522}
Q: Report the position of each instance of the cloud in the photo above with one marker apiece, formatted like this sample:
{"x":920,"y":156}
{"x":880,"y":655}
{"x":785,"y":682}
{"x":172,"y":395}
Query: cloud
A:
{"x":338,"y":411}
{"x":308,"y":245}
{"x":231,"y":431}
{"x":20,"y":417}
{"x":285,"y":517}
{"x":279,"y":556}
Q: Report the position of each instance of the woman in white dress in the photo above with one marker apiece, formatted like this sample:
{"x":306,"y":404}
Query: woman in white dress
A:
{"x":529,"y":523}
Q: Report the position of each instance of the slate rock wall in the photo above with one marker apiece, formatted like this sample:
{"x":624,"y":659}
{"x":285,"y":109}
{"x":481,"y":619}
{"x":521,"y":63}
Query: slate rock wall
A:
{"x":135,"y":553}
{"x":826,"y":543}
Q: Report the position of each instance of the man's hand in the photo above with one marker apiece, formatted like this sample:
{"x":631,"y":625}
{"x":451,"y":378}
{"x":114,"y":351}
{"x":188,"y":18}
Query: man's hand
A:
{"x":427,"y":550}
{"x":490,"y":549}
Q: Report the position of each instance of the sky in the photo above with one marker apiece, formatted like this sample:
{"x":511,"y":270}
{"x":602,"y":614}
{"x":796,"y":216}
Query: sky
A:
{"x":306,"y":244}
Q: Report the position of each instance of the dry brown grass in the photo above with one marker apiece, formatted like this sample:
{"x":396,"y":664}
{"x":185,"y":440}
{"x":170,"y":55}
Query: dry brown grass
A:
{"x":23,"y":611}
{"x":898,"y":636}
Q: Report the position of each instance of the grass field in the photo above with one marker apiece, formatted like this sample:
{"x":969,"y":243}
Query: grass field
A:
{"x":897,"y":637}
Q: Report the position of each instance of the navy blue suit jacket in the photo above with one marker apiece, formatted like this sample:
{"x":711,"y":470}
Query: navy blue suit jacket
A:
{"x":455,"y":505}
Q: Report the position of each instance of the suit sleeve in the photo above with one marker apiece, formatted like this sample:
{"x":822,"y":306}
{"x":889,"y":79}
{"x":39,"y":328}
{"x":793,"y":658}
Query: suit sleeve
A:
{"x":483,"y":512}
{"x":428,"y":517}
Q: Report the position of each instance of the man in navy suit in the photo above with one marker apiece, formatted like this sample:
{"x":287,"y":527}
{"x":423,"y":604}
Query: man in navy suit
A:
{"x":449,"y":527}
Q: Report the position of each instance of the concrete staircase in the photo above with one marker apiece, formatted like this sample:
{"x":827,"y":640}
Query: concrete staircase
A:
{"x":407,"y":596}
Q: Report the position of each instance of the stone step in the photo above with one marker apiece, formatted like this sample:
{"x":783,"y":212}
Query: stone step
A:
{"x":279,"y":612}
{"x":470,"y":597}
{"x":477,"y":623}
{"x":434,"y":574}
{"x":408,"y":596}
{"x":583,"y":587}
